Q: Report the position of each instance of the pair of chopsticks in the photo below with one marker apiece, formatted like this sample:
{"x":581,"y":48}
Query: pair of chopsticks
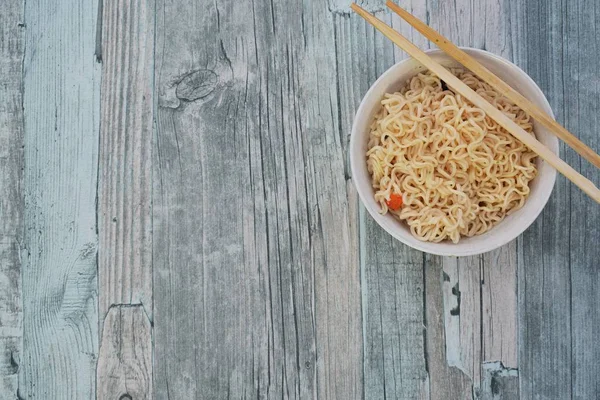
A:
{"x":503,"y":88}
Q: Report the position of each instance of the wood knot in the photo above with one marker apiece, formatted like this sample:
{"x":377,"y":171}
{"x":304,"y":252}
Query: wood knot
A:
{"x":125,"y":397}
{"x":196,"y":85}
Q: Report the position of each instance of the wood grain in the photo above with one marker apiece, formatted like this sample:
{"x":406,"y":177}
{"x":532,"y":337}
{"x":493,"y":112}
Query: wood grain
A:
{"x":499,"y":306}
{"x":394,"y":344}
{"x":125,"y":200}
{"x":461,"y":296}
{"x":445,"y":381}
{"x":125,"y":169}
{"x":558,"y":265}
{"x":256,"y":281}
{"x":11,"y":193}
{"x":479,"y":296}
{"x":61,"y":107}
{"x":581,"y":72}
{"x":125,"y":356}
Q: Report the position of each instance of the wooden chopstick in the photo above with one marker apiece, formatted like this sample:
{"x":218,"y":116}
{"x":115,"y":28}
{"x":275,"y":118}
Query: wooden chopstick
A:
{"x":529,"y":140}
{"x":482,"y":72}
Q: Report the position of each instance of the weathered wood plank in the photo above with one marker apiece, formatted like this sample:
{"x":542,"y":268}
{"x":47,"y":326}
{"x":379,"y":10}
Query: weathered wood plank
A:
{"x":499,"y":382}
{"x":11,"y":193}
{"x":480,"y":313}
{"x":445,"y":382}
{"x":461,"y":292}
{"x":125,"y":173}
{"x":61,"y":104}
{"x":544,"y":277}
{"x":499,"y":306}
{"x":124,"y":200}
{"x":394,"y":348}
{"x":125,"y":357}
{"x":558,"y":267}
{"x":256,"y":283}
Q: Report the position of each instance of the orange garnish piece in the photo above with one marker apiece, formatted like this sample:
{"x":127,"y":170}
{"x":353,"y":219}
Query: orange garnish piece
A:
{"x":395,"y":202}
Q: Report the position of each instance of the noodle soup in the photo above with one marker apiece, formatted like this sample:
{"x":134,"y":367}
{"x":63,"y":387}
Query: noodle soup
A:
{"x":441,"y":165}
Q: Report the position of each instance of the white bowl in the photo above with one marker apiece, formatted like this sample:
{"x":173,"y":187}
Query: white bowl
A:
{"x":513,"y":225}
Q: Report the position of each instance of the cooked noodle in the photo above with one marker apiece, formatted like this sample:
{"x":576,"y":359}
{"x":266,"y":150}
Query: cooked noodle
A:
{"x":459,"y":173}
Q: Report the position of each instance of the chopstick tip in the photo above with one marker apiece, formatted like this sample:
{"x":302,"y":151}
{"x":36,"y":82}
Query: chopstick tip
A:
{"x":396,"y":8}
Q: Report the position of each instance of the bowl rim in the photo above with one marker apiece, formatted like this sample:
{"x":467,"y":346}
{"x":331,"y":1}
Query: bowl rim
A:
{"x":418,"y":244}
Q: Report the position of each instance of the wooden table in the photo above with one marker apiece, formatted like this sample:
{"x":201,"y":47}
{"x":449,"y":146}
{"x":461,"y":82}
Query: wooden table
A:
{"x":178,"y":219}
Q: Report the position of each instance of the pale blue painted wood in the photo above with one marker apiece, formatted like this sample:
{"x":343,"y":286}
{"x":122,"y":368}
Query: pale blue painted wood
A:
{"x":61,"y":106}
